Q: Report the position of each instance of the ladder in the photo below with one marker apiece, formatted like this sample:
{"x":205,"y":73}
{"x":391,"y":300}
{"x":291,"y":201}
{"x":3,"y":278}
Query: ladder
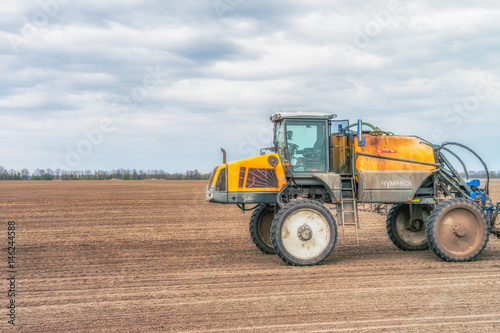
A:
{"x":349,"y":211}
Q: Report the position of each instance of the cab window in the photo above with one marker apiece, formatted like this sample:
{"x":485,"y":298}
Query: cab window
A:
{"x":279,"y":140}
{"x":307,"y":145}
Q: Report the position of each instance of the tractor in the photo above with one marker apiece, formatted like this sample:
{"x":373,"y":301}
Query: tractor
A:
{"x":319,"y":165}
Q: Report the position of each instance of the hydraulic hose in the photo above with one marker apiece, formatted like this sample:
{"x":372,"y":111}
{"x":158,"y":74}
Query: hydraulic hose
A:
{"x":374,"y":129}
{"x":487,"y":187}
{"x":364,"y":124}
{"x":242,"y":207}
{"x":461,"y":162}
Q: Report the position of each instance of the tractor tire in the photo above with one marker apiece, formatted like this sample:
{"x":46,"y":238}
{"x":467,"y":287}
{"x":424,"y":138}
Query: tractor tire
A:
{"x":457,"y":230}
{"x":495,"y":224}
{"x":405,"y":234}
{"x":304,"y":233}
{"x":260,"y":228}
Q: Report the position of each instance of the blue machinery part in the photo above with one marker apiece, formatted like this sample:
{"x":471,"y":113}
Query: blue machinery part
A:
{"x":476,"y":192}
{"x":361,"y":140}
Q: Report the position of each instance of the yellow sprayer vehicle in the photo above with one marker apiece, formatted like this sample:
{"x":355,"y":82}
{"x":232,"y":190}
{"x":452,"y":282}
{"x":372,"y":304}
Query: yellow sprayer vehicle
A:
{"x":319,"y":164}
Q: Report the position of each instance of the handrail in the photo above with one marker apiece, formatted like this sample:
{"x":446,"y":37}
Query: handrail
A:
{"x":396,"y":159}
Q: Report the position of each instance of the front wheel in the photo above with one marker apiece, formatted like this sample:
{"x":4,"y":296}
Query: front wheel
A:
{"x":304,"y":233}
{"x":457,"y":230}
{"x":260,"y":228}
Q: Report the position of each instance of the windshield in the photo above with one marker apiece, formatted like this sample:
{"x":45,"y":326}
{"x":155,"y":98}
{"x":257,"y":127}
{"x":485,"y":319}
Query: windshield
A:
{"x":306,"y":143}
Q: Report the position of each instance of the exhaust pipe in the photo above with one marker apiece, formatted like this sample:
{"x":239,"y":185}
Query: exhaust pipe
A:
{"x":223,"y":155}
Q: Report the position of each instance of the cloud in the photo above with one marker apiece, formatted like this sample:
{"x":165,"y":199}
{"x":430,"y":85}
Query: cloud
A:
{"x":403,"y":66}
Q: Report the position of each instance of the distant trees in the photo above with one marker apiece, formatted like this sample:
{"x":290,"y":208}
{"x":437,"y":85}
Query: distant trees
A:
{"x":134,"y":174}
{"x":193,"y":175}
{"x":9,"y":174}
{"x":125,"y":174}
{"x":25,"y":174}
{"x":480,"y":174}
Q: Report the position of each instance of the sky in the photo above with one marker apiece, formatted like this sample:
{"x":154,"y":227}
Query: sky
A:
{"x":101,"y":85}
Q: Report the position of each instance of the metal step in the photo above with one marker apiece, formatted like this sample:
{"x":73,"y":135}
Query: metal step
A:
{"x":349,"y":212}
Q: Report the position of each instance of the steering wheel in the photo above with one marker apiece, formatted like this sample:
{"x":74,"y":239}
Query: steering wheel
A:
{"x":292,"y":147}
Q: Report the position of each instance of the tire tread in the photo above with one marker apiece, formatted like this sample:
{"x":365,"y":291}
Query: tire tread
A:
{"x":254,"y":229}
{"x":430,"y":230}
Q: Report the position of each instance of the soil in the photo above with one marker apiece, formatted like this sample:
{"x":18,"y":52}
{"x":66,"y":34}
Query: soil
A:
{"x":146,"y":256}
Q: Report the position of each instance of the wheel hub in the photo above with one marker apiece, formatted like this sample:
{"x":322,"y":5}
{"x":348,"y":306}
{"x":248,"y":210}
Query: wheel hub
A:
{"x":459,"y":231}
{"x":304,"y":233}
{"x":416,"y":225}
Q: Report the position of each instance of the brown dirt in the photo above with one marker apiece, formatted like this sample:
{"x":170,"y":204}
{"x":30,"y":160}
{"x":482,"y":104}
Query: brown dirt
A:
{"x":153,"y":256}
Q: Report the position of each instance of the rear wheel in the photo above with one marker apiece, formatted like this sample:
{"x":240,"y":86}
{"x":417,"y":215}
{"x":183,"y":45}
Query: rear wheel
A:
{"x":405,"y":234}
{"x":495,"y":224}
{"x":304,"y":233}
{"x":457,"y":230}
{"x":260,"y":228}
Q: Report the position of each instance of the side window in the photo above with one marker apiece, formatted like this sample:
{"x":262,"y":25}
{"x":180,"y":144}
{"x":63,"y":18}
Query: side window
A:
{"x":280,"y":140}
{"x":339,"y":126}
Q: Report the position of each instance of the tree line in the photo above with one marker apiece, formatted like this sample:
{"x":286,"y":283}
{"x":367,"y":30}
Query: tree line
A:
{"x":125,"y":174}
{"x":480,"y":174}
{"x":133,"y":174}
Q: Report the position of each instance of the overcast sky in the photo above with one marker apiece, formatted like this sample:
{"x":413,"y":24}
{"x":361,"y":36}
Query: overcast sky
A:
{"x":165,"y":84}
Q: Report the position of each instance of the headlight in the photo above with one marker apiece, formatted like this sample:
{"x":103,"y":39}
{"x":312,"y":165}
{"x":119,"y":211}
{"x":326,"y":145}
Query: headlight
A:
{"x":209,"y":193}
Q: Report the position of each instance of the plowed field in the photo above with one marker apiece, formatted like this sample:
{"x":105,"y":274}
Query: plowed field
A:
{"x":152,"y":256}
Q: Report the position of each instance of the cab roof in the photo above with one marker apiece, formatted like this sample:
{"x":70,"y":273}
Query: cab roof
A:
{"x":301,"y":115}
